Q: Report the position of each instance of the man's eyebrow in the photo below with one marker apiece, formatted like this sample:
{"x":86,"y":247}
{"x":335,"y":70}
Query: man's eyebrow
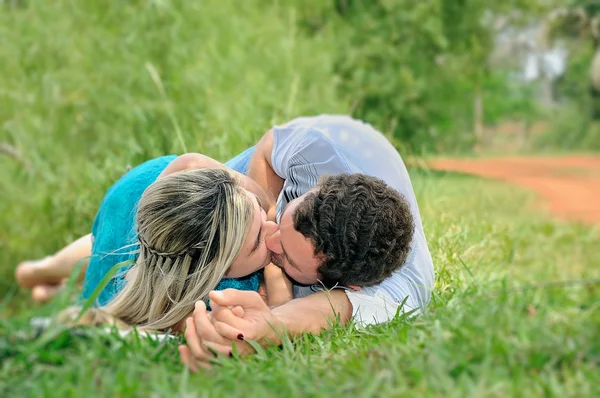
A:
{"x":288,"y":257}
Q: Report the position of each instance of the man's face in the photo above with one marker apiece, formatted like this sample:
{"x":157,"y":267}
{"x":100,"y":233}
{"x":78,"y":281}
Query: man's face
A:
{"x":292,"y":251}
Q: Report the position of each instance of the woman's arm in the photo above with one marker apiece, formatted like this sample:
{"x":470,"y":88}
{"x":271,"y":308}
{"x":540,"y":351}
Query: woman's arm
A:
{"x":188,"y":161}
{"x":198,"y":161}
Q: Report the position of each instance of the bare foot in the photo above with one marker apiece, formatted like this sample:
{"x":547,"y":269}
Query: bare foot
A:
{"x":32,"y":273}
{"x":44,"y":293}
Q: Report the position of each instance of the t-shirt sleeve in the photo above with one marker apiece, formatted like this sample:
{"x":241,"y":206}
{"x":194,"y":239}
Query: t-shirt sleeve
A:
{"x":368,"y":308}
{"x":304,"y":153}
{"x":376,"y":309}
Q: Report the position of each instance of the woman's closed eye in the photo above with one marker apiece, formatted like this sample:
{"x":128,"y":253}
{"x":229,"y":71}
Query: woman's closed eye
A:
{"x":259,"y":241}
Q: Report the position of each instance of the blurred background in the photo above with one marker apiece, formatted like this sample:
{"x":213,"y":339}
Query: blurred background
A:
{"x":88,"y":89}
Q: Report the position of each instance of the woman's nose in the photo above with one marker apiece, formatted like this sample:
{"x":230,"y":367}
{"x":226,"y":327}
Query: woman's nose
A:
{"x":274,"y":242}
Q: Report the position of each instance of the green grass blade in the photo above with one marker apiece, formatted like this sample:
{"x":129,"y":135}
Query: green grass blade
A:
{"x":109,"y":275}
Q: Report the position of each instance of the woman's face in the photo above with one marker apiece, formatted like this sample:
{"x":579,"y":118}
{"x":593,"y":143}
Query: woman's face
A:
{"x":254,"y":254}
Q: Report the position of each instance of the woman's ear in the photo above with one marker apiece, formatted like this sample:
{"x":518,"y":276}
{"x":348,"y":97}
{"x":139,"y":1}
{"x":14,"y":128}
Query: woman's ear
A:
{"x":354,"y":287}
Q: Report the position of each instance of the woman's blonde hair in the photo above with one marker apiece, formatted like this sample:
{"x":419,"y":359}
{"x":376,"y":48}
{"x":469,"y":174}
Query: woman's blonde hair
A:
{"x":191,"y":226}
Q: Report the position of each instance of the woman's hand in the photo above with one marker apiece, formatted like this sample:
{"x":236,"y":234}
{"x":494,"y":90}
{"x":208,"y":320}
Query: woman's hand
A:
{"x":230,"y":323}
{"x":206,"y":338}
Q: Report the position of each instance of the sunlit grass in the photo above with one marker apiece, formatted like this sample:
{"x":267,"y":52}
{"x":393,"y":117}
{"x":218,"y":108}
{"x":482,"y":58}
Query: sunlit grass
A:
{"x":79,"y":102}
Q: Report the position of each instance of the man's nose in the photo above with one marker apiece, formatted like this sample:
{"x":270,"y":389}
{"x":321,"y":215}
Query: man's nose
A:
{"x":274,"y":242}
{"x":270,"y":228}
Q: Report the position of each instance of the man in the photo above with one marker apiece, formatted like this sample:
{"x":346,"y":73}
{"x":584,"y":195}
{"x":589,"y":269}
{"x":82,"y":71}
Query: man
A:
{"x":343,"y":224}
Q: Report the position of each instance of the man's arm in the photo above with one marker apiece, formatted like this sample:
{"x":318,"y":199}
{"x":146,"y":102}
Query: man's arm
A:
{"x":309,"y":314}
{"x":314,"y":313}
{"x":261,"y":170}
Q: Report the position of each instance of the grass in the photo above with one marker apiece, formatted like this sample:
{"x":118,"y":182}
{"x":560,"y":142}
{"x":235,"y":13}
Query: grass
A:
{"x":493,"y":329}
{"x":88,"y":88}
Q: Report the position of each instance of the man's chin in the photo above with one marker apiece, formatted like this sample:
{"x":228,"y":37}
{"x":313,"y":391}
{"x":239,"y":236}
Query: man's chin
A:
{"x":296,"y":282}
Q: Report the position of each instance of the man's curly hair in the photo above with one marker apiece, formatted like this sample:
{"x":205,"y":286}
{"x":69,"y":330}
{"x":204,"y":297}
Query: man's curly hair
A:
{"x":361,"y":227}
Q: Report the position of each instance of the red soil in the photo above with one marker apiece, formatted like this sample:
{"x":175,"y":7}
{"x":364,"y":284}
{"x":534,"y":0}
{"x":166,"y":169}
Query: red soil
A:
{"x":570,"y":186}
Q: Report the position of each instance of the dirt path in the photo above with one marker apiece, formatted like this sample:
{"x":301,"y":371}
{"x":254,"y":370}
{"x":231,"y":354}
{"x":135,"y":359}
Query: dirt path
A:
{"x":570,"y":186}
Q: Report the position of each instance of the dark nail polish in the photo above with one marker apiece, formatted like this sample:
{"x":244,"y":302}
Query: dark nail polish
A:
{"x":240,"y":337}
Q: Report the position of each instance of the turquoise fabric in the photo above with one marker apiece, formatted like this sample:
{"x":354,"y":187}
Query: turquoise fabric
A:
{"x":113,"y":231}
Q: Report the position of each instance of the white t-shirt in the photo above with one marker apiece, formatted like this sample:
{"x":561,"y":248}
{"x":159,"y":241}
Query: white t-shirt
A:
{"x":309,"y":147}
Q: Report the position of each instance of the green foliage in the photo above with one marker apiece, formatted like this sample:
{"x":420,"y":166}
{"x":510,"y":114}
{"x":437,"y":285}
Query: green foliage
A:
{"x":570,"y":131}
{"x":506,"y":98}
{"x":415,"y":68}
{"x":567,"y":132}
{"x":572,"y":124}
{"x":591,"y":7}
{"x":575,"y":84}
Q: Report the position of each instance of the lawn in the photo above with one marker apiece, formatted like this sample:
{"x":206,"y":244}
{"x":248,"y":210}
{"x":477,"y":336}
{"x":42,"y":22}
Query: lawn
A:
{"x":496,"y":327}
{"x":88,"y":89}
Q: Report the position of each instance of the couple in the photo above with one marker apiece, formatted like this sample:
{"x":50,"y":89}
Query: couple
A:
{"x":347,"y":218}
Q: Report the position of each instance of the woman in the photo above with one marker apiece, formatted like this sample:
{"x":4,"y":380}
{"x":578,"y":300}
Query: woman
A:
{"x":198,"y":223}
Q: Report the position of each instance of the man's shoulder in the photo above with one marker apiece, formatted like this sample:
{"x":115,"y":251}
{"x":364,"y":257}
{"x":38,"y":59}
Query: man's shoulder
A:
{"x":301,"y":134}
{"x":308,"y":144}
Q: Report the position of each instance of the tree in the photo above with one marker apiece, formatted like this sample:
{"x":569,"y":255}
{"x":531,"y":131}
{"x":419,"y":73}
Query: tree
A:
{"x":580,"y":21}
